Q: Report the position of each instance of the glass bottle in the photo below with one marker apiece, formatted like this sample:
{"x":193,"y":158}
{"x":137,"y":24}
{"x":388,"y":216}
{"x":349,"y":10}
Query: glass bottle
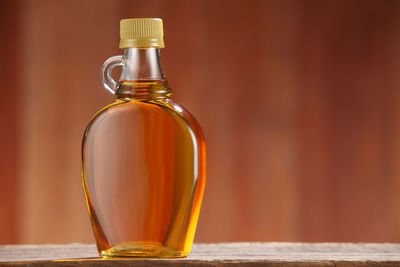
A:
{"x":143,"y":156}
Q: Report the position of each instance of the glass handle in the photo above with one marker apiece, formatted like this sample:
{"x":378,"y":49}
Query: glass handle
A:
{"x":105,"y":73}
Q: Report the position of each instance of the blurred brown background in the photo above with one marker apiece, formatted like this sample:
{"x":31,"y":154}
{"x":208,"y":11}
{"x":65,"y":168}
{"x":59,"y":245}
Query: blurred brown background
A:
{"x":299,"y":101}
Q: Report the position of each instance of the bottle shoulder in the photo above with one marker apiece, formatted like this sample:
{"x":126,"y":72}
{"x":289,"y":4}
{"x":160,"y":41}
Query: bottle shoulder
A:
{"x":136,"y":111}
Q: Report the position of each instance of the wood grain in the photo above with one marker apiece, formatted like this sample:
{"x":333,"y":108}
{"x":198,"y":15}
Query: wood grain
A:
{"x":223,"y":254}
{"x":10,"y":111}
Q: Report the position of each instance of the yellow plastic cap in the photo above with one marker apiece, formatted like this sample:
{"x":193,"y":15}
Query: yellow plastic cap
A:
{"x":141,"y":33}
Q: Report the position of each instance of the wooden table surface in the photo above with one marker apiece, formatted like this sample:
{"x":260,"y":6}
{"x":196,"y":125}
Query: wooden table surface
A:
{"x":223,"y":254}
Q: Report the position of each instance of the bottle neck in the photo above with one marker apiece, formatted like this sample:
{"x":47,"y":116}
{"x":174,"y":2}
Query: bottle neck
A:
{"x":141,"y":76}
{"x":141,"y":64}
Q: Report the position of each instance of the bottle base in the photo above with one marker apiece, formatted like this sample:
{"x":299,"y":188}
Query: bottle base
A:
{"x":142,"y":250}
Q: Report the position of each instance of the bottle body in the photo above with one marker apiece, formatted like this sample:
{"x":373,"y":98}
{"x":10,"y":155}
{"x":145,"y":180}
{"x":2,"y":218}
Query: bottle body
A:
{"x":143,"y":160}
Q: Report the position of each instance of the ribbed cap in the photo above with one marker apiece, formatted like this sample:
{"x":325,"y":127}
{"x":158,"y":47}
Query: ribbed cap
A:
{"x":143,"y":32}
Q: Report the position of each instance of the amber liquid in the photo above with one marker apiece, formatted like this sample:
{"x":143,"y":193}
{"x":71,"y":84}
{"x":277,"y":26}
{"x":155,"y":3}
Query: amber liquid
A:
{"x":143,"y":162}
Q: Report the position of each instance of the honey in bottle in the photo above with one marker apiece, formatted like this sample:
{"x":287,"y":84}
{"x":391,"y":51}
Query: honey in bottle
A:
{"x":143,"y":156}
